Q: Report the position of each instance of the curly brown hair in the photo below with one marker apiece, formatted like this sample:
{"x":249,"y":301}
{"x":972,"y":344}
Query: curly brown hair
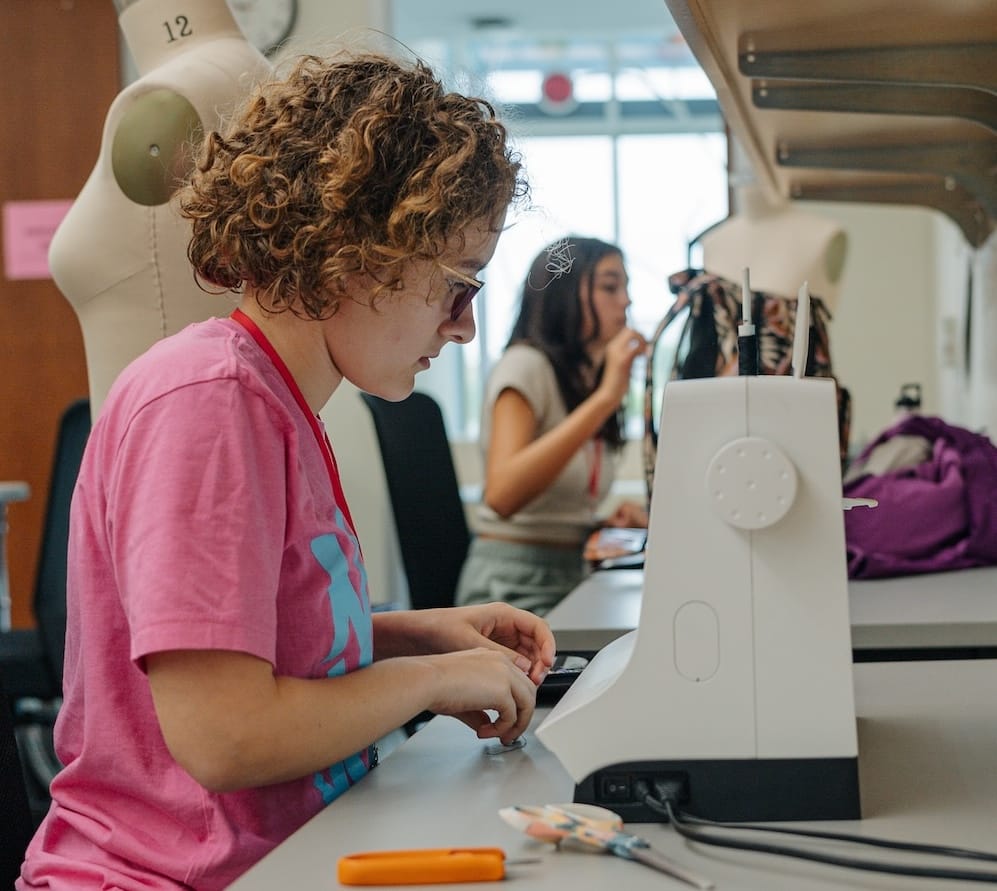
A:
{"x":352,"y":165}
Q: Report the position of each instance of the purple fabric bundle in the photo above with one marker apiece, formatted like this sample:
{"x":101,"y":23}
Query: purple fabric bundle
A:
{"x":938,"y":515}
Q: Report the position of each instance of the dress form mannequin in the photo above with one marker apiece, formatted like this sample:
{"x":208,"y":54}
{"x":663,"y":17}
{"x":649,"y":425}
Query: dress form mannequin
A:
{"x":782,"y":246}
{"x":120,"y":255}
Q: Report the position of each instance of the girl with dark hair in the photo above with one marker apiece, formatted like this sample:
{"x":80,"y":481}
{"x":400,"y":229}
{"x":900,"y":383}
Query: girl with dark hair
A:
{"x":551,"y":428}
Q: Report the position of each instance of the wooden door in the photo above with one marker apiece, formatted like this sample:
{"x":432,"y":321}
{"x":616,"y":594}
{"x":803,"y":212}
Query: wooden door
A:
{"x":61,"y":73}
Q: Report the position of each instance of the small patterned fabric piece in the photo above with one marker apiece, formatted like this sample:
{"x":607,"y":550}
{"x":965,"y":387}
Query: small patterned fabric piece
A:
{"x":712,"y":348}
{"x":708,"y":343}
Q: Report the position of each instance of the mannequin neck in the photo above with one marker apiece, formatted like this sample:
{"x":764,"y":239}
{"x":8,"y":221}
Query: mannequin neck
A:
{"x":157,"y":30}
{"x":752,"y":203}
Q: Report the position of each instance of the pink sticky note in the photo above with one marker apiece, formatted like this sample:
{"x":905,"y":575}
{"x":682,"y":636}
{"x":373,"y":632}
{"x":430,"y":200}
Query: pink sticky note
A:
{"x":28,"y":227}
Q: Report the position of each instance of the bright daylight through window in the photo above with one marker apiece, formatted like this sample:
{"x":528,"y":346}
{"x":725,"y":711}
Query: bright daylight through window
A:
{"x":622,"y":140}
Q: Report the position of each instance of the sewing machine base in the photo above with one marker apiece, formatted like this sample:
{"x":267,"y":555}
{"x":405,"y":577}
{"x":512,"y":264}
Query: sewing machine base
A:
{"x":734,"y":790}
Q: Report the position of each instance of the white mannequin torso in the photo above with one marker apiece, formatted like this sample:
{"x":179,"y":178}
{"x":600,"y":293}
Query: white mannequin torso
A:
{"x":120,"y":255}
{"x":782,"y":246}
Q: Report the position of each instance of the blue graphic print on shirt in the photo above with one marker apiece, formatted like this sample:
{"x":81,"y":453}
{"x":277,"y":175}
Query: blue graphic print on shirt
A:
{"x":350,"y":608}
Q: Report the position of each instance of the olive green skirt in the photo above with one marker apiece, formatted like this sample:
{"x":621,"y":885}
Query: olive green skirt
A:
{"x":532,"y":577}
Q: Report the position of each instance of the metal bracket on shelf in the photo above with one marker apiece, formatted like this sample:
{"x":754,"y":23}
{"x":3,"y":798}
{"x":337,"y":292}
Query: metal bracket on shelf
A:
{"x":939,"y":193}
{"x":910,"y":99}
{"x":972,"y":65}
{"x":970,"y":164}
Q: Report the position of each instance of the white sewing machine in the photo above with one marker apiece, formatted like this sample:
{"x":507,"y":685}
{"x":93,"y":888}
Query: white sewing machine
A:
{"x":738,"y":680}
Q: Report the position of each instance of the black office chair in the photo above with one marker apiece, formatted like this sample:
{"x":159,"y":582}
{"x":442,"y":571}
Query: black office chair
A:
{"x":16,"y":822}
{"x":432,"y":528}
{"x":32,"y":659}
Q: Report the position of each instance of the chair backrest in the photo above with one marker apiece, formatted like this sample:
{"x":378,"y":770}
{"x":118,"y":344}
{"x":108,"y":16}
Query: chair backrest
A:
{"x":425,"y":496}
{"x":16,"y":822}
{"x":50,"y":586}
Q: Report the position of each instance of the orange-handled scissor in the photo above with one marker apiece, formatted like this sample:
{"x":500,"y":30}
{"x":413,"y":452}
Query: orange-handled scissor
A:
{"x":426,"y":866}
{"x":598,"y":828}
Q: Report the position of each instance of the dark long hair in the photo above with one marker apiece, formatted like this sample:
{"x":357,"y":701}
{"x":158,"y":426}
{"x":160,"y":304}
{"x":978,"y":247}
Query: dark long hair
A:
{"x":550,"y":319}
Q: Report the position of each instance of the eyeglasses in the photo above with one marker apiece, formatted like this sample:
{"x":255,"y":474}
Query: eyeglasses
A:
{"x":463,"y":289}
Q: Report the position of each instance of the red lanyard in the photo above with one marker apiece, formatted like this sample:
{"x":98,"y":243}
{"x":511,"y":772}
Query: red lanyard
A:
{"x":321,"y":437}
{"x":596,"y":470}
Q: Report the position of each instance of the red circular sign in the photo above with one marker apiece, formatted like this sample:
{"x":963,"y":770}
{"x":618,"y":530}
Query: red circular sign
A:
{"x":557,"y":88}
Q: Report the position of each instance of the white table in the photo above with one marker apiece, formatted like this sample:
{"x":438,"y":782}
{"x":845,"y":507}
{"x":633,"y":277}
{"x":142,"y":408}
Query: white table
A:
{"x":922,"y":612}
{"x":927,"y":766}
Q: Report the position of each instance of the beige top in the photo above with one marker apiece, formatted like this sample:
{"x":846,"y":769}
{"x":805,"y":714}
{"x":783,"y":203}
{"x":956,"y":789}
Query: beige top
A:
{"x":566,"y":511}
{"x":120,"y":255}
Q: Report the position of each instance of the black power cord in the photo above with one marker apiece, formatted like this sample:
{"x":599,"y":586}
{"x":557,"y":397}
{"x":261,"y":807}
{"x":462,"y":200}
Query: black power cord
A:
{"x":666,"y":804}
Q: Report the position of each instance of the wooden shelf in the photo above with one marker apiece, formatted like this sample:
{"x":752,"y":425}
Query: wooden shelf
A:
{"x":858,"y":100}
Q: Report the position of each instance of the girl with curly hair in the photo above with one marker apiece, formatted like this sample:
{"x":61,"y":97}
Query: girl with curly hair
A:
{"x":225,"y":677}
{"x":551,"y":428}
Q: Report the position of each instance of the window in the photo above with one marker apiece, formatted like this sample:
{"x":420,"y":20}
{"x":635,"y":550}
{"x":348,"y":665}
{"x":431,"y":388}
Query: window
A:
{"x":622,"y":139}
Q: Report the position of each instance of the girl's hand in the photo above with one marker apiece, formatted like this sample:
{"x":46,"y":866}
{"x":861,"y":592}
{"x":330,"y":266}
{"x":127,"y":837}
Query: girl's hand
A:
{"x":516,"y":631}
{"x":469,"y":684}
{"x":628,"y":514}
{"x":620,"y":354}
{"x":521,"y":637}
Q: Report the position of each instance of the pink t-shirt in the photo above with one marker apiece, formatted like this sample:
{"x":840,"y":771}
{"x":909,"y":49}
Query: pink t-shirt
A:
{"x":204,"y":518}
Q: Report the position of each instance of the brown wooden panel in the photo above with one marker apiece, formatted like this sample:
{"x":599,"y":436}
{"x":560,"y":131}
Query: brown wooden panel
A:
{"x":61,"y":73}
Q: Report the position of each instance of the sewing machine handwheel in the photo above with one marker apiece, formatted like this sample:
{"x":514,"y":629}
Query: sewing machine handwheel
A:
{"x":751,"y":483}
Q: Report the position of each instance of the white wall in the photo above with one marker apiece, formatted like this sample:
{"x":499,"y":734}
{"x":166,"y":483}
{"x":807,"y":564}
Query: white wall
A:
{"x":982,"y":409}
{"x":909,"y":283}
{"x":320,"y":22}
{"x":951,"y":285}
{"x":883,"y":334}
